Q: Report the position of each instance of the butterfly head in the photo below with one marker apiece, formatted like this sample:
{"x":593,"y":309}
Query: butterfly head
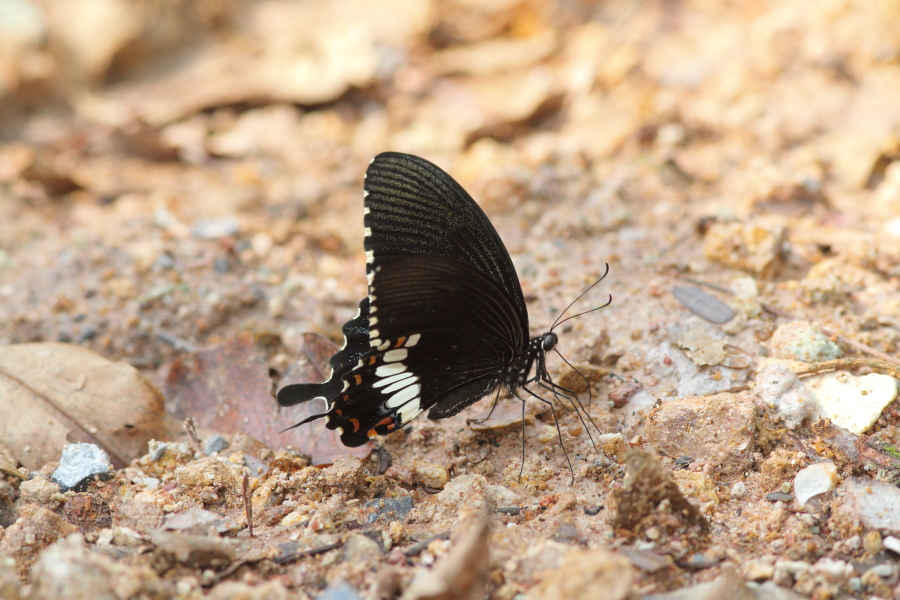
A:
{"x":548,"y":341}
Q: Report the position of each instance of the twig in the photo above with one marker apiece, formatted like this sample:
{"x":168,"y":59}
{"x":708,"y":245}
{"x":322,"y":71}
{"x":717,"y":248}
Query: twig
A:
{"x":248,"y":505}
{"x":191,"y":429}
{"x":176,"y":342}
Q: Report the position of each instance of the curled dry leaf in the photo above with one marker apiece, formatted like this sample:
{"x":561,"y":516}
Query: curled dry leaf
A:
{"x":55,"y":394}
{"x":227,"y":388}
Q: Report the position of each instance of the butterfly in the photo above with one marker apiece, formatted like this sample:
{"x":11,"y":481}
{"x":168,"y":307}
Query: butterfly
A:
{"x":444,"y":323}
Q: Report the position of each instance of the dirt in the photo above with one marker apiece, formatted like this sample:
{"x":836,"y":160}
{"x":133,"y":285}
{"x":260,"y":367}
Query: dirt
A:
{"x":181,"y":181}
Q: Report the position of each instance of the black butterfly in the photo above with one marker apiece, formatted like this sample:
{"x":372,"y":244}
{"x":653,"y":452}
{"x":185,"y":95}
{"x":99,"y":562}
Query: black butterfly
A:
{"x":445,"y":322}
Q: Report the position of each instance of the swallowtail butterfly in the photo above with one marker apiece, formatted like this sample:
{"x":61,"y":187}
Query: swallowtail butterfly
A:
{"x":445,"y":321}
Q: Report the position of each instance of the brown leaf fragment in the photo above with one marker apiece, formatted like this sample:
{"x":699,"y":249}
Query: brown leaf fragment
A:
{"x":62,"y":393}
{"x":646,"y":485}
{"x":227,"y":388}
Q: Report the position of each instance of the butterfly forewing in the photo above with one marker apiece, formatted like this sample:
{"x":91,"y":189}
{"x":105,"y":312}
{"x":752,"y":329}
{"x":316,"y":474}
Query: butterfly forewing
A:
{"x":413,"y":208}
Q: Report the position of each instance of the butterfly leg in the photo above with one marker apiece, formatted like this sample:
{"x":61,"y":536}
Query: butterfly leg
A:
{"x":490,"y":412}
{"x":572,"y":397}
{"x":558,"y":431}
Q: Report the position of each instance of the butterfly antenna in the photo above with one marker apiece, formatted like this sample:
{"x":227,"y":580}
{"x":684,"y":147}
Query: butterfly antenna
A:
{"x":580,"y":296}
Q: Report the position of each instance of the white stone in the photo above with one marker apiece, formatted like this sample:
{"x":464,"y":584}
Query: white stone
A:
{"x":738,"y":490}
{"x":814,"y":480}
{"x":854,"y":403}
{"x":891,"y":543}
{"x":780,"y":389}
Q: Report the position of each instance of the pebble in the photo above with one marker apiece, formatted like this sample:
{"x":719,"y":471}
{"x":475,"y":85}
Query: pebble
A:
{"x":803,"y":341}
{"x":779,"y":389}
{"x":214,"y":229}
{"x":891,"y":543}
{"x":587,"y":575}
{"x":341,"y":591}
{"x":78,"y":465}
{"x":430,"y":475}
{"x":717,"y":430}
{"x":749,"y":247}
{"x":854,"y":403}
{"x":814,"y":480}
{"x":389,"y":509}
{"x":215,"y":443}
{"x":738,"y":490}
{"x":873,"y":504}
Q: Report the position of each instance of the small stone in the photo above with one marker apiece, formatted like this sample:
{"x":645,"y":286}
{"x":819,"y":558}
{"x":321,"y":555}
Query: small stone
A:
{"x":891,"y":543}
{"x":40,"y":491}
{"x":359,"y":548}
{"x":215,"y":443}
{"x":758,"y":570}
{"x":35,"y":529}
{"x":779,"y":388}
{"x":214,"y":229}
{"x":854,"y":403}
{"x":868,"y":503}
{"x":738,"y":490}
{"x":79,"y":464}
{"x":749,"y":247}
{"x":718,"y":430}
{"x":341,"y":591}
{"x":587,"y":575}
{"x":389,"y":509}
{"x":69,"y":570}
{"x":803,"y":341}
{"x":430,"y":475}
{"x":872,"y":542}
{"x":816,"y":479}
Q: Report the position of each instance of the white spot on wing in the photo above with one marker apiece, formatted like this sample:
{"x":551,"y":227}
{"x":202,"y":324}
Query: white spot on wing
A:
{"x":375,"y":343}
{"x":413,"y":340}
{"x":395,"y":355}
{"x":368,"y":231}
{"x":393,"y":379}
{"x":387,"y":345}
{"x":365,"y":193}
{"x":404,"y":396}
{"x":373,"y":321}
{"x":388,"y":370}
{"x":370,"y":256}
{"x":370,"y":277}
{"x":402,"y":383}
{"x":366,"y":209}
{"x":409,"y":412}
{"x":346,"y":385}
{"x":340,"y":430}
{"x":373,"y":333}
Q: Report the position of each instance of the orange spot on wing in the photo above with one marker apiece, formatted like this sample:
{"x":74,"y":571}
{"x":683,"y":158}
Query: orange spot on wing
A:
{"x":372,"y":360}
{"x":371,"y":433}
{"x":385,"y":421}
{"x":355,"y":423}
{"x":400,"y":342}
{"x":358,"y":379}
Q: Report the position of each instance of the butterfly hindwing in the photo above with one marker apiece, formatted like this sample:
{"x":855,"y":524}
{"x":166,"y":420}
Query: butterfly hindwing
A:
{"x":356,"y":345}
{"x":440,"y":337}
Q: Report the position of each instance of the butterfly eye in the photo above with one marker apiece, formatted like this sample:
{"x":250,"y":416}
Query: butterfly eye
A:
{"x":549,"y":342}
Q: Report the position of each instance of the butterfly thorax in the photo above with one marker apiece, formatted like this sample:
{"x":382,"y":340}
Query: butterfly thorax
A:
{"x":519,"y":372}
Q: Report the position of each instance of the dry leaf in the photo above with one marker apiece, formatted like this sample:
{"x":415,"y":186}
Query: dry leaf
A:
{"x":55,"y":394}
{"x":227,"y":388}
